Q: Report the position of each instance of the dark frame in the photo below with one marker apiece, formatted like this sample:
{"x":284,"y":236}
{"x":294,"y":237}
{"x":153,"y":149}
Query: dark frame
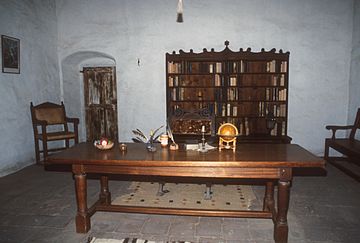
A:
{"x":10,"y":48}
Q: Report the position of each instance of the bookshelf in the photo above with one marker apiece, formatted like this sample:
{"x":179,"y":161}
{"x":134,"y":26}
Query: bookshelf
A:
{"x":248,"y":89}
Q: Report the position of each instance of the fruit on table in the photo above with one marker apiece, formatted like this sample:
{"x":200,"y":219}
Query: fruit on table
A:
{"x":104,"y":141}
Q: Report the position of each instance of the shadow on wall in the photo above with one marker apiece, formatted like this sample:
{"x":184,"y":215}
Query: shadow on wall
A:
{"x":72,"y":88}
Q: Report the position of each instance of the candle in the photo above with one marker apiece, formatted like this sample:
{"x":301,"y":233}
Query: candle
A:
{"x":164,"y":140}
{"x":203,"y":128}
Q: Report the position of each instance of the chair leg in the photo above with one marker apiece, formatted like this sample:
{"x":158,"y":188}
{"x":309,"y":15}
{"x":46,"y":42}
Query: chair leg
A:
{"x":37,"y":152}
{"x":326,"y":152}
{"x":45,"y":150}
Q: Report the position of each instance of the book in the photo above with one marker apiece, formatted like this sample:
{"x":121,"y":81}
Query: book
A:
{"x":211,"y":68}
{"x":218,"y":67}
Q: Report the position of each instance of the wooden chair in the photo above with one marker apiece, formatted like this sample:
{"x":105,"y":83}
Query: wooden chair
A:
{"x":53,"y":123}
{"x":349,"y":146}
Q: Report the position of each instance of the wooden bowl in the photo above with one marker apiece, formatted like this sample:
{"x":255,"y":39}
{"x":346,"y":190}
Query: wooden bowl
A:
{"x":104,"y":147}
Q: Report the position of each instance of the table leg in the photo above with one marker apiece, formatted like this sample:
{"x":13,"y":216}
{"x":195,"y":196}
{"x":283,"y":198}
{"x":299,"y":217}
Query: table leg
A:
{"x":269,"y":202}
{"x":281,"y":225}
{"x":105,"y":195}
{"x":82,"y":219}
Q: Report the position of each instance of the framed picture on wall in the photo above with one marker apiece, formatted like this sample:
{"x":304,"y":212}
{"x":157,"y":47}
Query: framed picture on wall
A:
{"x":10,"y":48}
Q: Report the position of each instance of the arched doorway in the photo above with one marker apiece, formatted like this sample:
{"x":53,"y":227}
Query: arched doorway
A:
{"x":72,"y":83}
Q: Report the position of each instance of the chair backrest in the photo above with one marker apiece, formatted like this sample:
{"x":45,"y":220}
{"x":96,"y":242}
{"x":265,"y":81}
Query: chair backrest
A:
{"x":52,"y":113}
{"x":356,"y":125}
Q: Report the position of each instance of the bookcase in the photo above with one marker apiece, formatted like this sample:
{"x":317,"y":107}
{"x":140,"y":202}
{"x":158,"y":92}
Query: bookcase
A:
{"x":248,"y":89}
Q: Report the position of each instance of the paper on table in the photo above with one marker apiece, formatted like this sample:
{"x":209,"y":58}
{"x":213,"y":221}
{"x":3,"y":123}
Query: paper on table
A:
{"x":198,"y":146}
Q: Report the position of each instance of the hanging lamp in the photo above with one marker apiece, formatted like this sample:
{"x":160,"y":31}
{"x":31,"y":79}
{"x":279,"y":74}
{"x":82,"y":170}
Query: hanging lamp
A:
{"x":180,"y":11}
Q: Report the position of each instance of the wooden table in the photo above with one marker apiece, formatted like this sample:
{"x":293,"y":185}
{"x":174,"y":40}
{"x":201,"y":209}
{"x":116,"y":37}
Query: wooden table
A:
{"x":272,"y":162}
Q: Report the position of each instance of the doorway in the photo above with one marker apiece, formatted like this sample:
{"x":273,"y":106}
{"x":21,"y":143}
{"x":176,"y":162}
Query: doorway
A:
{"x":100,"y":102}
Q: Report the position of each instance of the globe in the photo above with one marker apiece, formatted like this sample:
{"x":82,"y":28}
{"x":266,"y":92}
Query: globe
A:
{"x":227,"y":132}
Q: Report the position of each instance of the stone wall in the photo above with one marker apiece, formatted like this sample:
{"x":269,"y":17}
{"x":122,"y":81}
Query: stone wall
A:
{"x":59,"y":37}
{"x":34,"y":23}
{"x":354,"y":87}
{"x":317,"y":34}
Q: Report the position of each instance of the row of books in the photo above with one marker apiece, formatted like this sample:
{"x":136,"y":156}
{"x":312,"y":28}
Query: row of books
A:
{"x":279,"y":128}
{"x":247,"y":126}
{"x":275,"y":94}
{"x":277,"y":110}
{"x":251,"y":94}
{"x":257,"y":66}
{"x":227,"y":67}
{"x":244,"y":128}
{"x":194,"y":67}
{"x":194,"y":94}
{"x":260,"y":109}
{"x":173,"y":81}
{"x":224,"y":110}
{"x":232,"y":94}
{"x":220,"y":80}
{"x":262,"y":80}
{"x":190,"y":81}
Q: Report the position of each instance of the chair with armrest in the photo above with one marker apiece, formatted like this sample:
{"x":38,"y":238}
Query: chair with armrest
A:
{"x":348,"y":146}
{"x":51,"y":124}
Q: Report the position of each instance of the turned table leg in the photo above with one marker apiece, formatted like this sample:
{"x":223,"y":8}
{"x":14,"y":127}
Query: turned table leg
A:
{"x":105,"y":195}
{"x":269,"y":203}
{"x":82,"y":219}
{"x":281,"y":227}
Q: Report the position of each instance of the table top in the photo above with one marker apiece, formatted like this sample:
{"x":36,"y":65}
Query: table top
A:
{"x":245,"y":156}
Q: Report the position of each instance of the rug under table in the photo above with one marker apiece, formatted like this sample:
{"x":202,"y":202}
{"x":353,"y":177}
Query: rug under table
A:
{"x":188,"y":196}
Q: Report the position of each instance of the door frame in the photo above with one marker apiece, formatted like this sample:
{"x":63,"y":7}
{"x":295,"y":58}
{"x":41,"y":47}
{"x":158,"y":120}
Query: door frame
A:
{"x":112,"y":105}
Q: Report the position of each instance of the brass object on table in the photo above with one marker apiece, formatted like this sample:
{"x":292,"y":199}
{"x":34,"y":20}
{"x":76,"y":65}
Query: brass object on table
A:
{"x":123,"y":147}
{"x":227,"y":133}
{"x":174,"y":146}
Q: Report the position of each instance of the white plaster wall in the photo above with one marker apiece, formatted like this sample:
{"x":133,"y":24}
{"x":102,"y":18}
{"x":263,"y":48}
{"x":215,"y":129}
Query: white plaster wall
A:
{"x":34,"y":23}
{"x":318,"y":35}
{"x":354,"y":87}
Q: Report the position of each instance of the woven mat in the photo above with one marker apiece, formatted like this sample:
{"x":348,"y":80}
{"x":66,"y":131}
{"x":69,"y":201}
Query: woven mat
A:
{"x":189,"y":196}
{"x":130,"y":240}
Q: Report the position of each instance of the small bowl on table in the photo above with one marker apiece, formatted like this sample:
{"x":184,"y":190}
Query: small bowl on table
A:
{"x":101,"y":146}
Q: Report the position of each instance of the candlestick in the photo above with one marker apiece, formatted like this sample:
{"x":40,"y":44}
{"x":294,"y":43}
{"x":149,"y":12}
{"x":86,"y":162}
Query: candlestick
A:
{"x":203,"y":142}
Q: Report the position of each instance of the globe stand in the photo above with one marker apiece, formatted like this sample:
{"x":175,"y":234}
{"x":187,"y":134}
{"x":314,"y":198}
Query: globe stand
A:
{"x":227,"y":133}
{"x":227,"y":144}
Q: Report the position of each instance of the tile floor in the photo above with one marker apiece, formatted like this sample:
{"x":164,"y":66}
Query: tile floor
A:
{"x":39,"y":206}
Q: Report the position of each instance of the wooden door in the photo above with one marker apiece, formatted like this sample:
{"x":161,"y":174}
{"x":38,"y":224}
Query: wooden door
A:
{"x":100,"y":103}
